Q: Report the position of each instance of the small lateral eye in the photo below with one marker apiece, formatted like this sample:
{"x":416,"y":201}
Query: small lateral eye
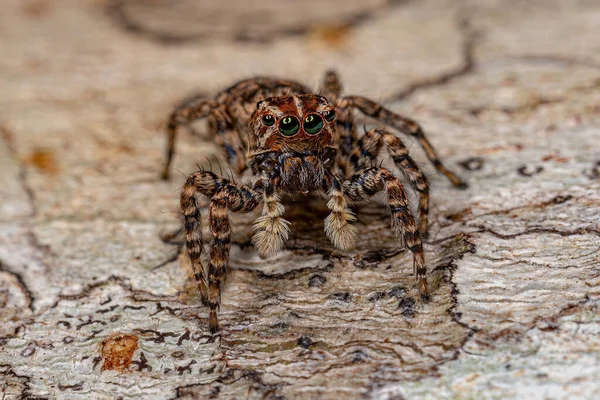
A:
{"x":313,"y":124}
{"x":330,"y":115}
{"x":268,"y":120}
{"x":289,"y":126}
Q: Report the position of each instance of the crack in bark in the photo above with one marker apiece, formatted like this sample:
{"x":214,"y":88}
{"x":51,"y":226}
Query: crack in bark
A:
{"x":468,"y":64}
{"x":115,"y":10}
{"x":8,"y":138}
{"x":29,"y":297}
{"x":576,"y":232}
{"x":461,"y":215}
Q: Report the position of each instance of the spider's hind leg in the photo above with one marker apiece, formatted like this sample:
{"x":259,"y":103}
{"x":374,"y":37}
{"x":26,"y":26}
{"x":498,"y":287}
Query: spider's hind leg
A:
{"x":331,"y":87}
{"x":190,"y":111}
{"x":404,"y":125}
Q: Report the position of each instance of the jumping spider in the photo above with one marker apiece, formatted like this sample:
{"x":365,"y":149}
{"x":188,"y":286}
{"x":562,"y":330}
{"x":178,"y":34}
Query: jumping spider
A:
{"x":295,"y":141}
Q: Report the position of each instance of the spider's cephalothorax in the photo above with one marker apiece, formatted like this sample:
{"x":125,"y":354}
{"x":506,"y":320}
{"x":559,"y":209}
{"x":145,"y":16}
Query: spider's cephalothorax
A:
{"x":297,"y":142}
{"x":291,"y":139}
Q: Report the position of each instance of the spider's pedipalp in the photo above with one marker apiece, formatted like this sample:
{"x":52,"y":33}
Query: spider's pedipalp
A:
{"x":271,"y":230}
{"x":338,"y":224}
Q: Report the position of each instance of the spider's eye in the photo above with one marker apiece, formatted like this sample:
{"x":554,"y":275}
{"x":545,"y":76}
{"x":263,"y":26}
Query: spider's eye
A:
{"x":330,"y":115}
{"x":289,"y":126}
{"x":268,"y":120}
{"x":313,"y":124}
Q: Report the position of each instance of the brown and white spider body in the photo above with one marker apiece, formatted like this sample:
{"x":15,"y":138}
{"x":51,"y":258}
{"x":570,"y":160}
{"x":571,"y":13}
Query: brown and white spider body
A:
{"x":296,"y":142}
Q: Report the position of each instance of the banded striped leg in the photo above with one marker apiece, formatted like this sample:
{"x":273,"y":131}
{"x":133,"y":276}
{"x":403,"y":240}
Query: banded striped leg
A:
{"x":371,"y":143}
{"x":345,"y":129}
{"x":331,"y":86}
{"x":404,"y":125}
{"x":228,"y":137}
{"x":372,"y":180}
{"x":338,"y":225}
{"x":224,"y":196}
{"x":194,"y":109}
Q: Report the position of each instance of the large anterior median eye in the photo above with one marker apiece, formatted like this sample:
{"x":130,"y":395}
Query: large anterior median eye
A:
{"x":313,"y":124}
{"x":288,"y":126}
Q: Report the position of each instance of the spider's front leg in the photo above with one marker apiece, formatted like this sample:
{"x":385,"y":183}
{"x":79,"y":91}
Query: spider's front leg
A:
{"x":372,"y":180}
{"x":224,"y":195}
{"x":404,"y":125}
{"x":367,"y":154}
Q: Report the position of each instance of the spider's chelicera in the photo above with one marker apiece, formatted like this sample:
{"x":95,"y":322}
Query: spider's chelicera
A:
{"x":295,"y":141}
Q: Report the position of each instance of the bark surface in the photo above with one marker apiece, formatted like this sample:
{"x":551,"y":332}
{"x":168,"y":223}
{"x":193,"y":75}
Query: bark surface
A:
{"x":94,"y":304}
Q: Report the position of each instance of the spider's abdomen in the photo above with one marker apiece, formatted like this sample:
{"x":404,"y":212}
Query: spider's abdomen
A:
{"x":301,"y":174}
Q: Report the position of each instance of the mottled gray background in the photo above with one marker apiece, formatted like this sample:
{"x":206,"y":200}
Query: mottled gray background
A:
{"x":94,"y":305}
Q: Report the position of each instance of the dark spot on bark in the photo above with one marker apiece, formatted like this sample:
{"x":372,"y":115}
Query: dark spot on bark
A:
{"x":359,"y":356}
{"x":561,"y":199}
{"x":28,"y":351}
{"x":106,"y":310}
{"x":407,"y":306}
{"x":133,"y":308}
{"x":142,"y":363}
{"x":472,"y":164}
{"x":341,"y":296}
{"x":594,"y":172}
{"x":214,"y":392}
{"x":376,"y":297}
{"x":211,"y":369}
{"x":75,"y":387}
{"x":317,"y":280}
{"x":529,"y":171}
{"x":304,"y":341}
{"x":186,"y":368}
{"x":185,"y":336}
{"x":66,"y":324}
{"x":106,"y":301}
{"x":397,"y":292}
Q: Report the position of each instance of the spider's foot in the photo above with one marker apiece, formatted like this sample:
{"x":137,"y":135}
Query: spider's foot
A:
{"x":213,"y":322}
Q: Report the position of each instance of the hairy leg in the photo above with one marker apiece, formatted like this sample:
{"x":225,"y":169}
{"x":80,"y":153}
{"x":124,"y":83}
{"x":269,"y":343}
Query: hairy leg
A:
{"x":371,"y":143}
{"x":194,"y":109}
{"x":338,"y":227}
{"x":224,"y":196}
{"x":229,"y":138}
{"x":370,"y":181}
{"x":271,"y":230}
{"x":404,"y":125}
{"x":331,"y":87}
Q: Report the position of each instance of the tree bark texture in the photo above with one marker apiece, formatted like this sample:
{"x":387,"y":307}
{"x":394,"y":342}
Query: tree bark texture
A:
{"x":94,"y":305}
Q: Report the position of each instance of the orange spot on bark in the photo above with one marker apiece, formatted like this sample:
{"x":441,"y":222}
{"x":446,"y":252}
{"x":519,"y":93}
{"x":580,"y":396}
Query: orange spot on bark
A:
{"x":43,"y":160}
{"x":331,"y":36}
{"x":37,"y":8}
{"x":117,"y":351}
